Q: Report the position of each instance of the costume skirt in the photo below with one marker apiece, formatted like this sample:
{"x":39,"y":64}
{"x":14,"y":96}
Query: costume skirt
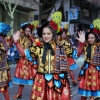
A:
{"x":89,"y":80}
{"x":24,"y":73}
{"x":50,"y":87}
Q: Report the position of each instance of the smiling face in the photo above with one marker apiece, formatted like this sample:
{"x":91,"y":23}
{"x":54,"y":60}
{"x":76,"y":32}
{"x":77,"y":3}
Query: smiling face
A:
{"x":47,"y":35}
{"x":91,"y":38}
{"x":27,"y":31}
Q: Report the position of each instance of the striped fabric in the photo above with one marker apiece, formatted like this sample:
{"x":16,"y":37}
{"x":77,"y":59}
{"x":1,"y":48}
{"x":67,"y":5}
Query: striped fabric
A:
{"x":96,"y":56}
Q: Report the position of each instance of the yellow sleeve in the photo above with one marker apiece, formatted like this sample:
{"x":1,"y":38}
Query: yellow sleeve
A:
{"x":68,"y":49}
{"x":34,"y":50}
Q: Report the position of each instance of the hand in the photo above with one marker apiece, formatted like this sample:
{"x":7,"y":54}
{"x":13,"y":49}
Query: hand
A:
{"x":81,"y":36}
{"x":29,"y":34}
{"x":16,"y":36}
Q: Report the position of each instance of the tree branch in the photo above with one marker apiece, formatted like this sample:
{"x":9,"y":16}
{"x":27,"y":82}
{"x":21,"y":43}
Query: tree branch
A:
{"x":9,"y":14}
{"x":4,"y":5}
{"x":9,"y":6}
{"x":15,"y":6}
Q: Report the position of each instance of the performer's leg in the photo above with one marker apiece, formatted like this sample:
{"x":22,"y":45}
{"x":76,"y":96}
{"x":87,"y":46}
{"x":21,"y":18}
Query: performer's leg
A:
{"x":72,"y":77}
{"x":83,"y":98}
{"x":19,"y":95}
{"x":20,"y":89}
{"x":6,"y":94}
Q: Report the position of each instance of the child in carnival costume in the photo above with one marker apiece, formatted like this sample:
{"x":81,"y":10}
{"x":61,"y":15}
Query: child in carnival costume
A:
{"x":24,"y":72}
{"x":89,"y":76}
{"x":5,"y":77}
{"x":51,"y":81}
{"x":64,"y":40}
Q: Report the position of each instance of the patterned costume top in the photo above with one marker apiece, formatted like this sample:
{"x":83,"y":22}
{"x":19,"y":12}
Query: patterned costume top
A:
{"x":95,"y":54}
{"x":54,"y":63}
{"x":4,"y":68}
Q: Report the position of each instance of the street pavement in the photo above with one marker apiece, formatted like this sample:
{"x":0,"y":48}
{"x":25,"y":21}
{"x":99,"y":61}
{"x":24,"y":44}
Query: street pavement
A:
{"x":27,"y":89}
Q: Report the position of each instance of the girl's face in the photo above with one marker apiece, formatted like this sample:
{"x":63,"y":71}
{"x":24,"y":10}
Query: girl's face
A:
{"x":91,"y":38}
{"x":47,"y":35}
{"x":63,"y":35}
{"x":27,"y":31}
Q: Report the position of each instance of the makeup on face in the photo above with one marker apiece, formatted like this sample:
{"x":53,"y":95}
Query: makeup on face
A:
{"x":27,"y":31}
{"x":91,"y":38}
{"x":47,"y":35}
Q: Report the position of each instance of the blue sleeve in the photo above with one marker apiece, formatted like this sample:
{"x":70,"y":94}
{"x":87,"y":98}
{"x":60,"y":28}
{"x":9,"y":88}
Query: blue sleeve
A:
{"x":29,"y":57}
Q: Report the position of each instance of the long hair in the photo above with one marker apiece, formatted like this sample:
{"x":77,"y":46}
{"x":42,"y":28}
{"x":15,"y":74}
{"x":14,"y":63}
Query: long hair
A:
{"x":96,"y":36}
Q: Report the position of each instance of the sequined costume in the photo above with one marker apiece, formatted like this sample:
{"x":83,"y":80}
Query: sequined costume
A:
{"x":51,"y":81}
{"x":5,"y":77}
{"x":24,"y":72}
{"x":72,"y":57}
{"x":89,"y":76}
{"x":3,"y":64}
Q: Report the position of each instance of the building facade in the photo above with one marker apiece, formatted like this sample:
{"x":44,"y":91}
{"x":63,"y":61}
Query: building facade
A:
{"x":24,"y":12}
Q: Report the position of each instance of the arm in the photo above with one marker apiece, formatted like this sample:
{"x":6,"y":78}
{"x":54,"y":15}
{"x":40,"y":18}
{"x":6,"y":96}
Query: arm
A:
{"x":80,"y":48}
{"x":32,"y":39}
{"x":81,"y":39}
{"x":20,"y":49}
{"x":11,"y":41}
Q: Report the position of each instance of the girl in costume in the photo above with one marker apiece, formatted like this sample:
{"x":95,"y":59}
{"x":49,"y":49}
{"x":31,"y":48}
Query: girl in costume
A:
{"x":51,"y":81}
{"x":24,"y":72}
{"x":64,"y":39}
{"x":89,"y":76}
{"x":5,"y":77}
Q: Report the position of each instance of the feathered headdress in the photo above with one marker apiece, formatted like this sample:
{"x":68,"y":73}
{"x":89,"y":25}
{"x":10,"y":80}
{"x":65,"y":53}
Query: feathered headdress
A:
{"x":4,"y":28}
{"x":95,"y":27}
{"x":35,"y":23}
{"x":56,"y":20}
{"x":54,"y":23}
{"x":32,"y":25}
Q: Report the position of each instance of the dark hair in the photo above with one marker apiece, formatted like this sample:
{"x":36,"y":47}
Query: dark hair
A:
{"x":88,"y":33}
{"x":4,"y":35}
{"x":63,"y":30}
{"x":40,"y":29}
{"x":26,"y":26}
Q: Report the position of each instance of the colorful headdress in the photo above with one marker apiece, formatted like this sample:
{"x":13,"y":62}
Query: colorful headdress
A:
{"x":25,"y":25}
{"x":54,"y":23}
{"x":32,"y":25}
{"x":35,"y":23}
{"x":95,"y":28}
{"x":64,"y":29}
{"x":4,"y":28}
{"x":56,"y":20}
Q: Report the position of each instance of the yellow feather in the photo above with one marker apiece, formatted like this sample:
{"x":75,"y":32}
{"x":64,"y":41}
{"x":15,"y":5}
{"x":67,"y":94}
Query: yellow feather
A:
{"x":57,"y":17}
{"x":35,"y":23}
{"x":96,"y":23}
